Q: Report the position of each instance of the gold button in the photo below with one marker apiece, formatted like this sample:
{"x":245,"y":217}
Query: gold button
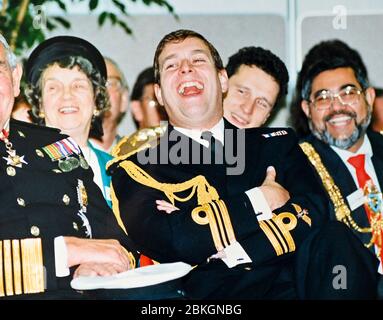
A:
{"x":248,"y":268}
{"x":66,"y":199}
{"x":35,"y":231}
{"x":39,"y":153}
{"x":21,"y":134}
{"x":21,"y":202}
{"x":75,"y":226}
{"x":11,"y":171}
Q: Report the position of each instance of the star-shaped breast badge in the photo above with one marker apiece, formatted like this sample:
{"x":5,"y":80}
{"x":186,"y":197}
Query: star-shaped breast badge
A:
{"x":14,"y":160}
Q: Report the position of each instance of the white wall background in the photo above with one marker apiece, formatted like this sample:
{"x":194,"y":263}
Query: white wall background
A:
{"x":287,"y":27}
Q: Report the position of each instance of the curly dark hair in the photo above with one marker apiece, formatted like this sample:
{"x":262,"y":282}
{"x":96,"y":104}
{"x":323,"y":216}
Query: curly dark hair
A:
{"x":179,"y":36}
{"x":327,"y":55}
{"x":33,"y":93}
{"x":264,"y":60}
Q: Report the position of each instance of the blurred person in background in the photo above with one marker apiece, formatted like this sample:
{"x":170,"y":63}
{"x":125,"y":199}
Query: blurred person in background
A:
{"x":118,"y":93}
{"x":377,"y":111}
{"x":21,"y":109}
{"x":146,"y":110}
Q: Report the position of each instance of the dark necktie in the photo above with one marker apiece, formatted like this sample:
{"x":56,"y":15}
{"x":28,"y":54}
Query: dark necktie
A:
{"x":215,"y":146}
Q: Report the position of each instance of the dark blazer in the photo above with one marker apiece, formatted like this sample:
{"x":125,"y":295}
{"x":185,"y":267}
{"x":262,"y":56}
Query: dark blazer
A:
{"x":176,"y":237}
{"x":41,"y":202}
{"x":343,"y":178}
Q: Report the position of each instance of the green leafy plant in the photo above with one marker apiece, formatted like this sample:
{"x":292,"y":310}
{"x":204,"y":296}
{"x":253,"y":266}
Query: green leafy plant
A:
{"x":21,"y":20}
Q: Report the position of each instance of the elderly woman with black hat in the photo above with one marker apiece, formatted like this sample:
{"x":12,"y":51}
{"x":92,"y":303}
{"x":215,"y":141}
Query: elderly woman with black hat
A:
{"x":66,"y":87}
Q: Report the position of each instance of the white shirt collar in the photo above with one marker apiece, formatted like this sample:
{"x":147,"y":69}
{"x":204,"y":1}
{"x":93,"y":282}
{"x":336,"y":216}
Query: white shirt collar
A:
{"x":195,"y":134}
{"x":365,"y":148}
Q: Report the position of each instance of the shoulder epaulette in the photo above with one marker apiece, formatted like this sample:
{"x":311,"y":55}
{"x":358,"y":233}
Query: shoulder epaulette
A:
{"x":136,"y":142}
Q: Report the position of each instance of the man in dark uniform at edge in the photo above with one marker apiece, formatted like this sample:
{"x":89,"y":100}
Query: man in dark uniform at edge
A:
{"x":332,"y":109}
{"x":47,"y":216}
{"x":240,"y":229}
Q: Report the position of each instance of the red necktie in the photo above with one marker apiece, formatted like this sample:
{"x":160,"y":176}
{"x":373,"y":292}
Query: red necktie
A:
{"x":358,"y":162}
{"x":4,"y":135}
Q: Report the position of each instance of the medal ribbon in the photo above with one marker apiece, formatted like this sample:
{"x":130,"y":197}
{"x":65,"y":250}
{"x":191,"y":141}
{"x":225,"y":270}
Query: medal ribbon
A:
{"x":62,"y":149}
{"x":5,"y":135}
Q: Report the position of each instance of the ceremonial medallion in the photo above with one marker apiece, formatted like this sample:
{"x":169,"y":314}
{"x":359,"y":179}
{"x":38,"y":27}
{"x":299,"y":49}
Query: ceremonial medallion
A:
{"x":83,"y":202}
{"x":373,"y":198}
{"x":13,"y":159}
{"x":82,"y":196}
{"x":65,"y":165}
{"x":83,"y":163}
{"x":74,"y":162}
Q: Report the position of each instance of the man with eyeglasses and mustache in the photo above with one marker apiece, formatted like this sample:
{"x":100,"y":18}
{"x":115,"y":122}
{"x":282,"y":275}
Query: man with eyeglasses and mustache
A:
{"x":334,"y":107}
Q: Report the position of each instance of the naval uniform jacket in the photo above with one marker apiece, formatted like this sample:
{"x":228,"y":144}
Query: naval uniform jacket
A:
{"x":40,"y":202}
{"x":177,"y":237}
{"x":343,"y":178}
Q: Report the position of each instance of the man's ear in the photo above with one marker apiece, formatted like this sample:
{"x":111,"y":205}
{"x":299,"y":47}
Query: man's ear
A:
{"x":16,"y":78}
{"x":158,"y":93}
{"x":137,"y":113}
{"x":370,"y":95}
{"x":224,"y":80}
{"x":306,"y":108}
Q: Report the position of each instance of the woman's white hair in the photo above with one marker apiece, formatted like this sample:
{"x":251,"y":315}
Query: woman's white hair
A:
{"x":10,"y":55}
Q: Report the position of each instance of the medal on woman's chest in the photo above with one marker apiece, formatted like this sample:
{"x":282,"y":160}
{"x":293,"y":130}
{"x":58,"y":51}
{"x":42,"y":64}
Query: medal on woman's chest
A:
{"x":64,"y":152}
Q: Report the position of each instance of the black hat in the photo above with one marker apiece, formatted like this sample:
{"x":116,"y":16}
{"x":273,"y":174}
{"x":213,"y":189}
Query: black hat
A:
{"x":57,"y":48}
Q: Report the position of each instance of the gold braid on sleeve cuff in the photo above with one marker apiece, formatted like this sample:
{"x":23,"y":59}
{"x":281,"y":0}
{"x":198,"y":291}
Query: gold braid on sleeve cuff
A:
{"x":21,"y":267}
{"x":277,"y":230}
{"x":215,"y":214}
